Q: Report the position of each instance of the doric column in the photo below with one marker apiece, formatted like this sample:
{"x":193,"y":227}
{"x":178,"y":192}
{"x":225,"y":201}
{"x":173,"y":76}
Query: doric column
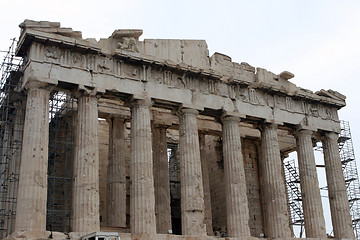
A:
{"x":272,"y":185}
{"x":161,"y":180}
{"x":85,"y":203}
{"x":116,"y":185}
{"x":142,"y":203}
{"x":206,"y":185}
{"x":310,"y":191}
{"x":15,"y":162}
{"x":32,"y":190}
{"x":192,"y":193}
{"x":339,"y":204}
{"x":237,"y":211}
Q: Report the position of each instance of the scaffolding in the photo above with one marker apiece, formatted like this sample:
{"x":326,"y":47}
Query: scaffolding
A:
{"x":349,"y":167}
{"x":12,"y":114}
{"x":61,"y":145}
{"x":294,"y":194}
{"x":11,"y":125}
{"x":350,"y":174}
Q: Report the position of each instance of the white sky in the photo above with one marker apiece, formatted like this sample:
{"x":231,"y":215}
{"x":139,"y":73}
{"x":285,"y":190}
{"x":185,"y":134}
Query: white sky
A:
{"x":317,"y":40}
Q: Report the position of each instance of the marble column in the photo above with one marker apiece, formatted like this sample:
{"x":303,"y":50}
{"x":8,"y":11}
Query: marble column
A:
{"x":339,"y":204}
{"x":272,"y":185}
{"x":161,"y":180}
{"x":32,"y":190}
{"x":310,"y":191}
{"x":85,"y":203}
{"x":142,"y":203}
{"x":192,"y":192}
{"x":237,"y":211}
{"x":206,"y":185}
{"x":15,"y":163}
{"x":116,"y":185}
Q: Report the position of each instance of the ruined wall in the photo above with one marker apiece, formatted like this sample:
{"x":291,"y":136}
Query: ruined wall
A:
{"x":251,"y":154}
{"x":217,"y":184}
{"x":103,"y":135}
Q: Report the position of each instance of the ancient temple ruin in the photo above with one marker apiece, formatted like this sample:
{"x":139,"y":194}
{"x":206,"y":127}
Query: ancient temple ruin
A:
{"x":155,"y":139}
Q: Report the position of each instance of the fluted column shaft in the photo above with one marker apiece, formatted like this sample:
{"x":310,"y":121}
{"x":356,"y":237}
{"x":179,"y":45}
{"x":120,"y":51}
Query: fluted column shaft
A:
{"x":161,"y":180}
{"x":206,"y":185}
{"x":339,"y":204}
{"x":32,"y":191}
{"x":16,"y":159}
{"x":116,"y":185}
{"x":85,"y":203}
{"x":310,"y":191}
{"x":192,"y":193}
{"x":142,"y":204}
{"x":272,"y":185}
{"x":235,"y":183}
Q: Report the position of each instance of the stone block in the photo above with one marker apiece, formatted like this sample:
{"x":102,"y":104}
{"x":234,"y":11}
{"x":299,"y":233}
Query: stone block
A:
{"x":58,"y":236}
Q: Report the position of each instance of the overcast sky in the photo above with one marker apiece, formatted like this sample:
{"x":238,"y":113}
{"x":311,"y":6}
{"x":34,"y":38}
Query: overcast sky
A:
{"x":318,"y":41}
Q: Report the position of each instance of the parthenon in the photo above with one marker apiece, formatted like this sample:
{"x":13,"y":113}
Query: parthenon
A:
{"x":155,"y":139}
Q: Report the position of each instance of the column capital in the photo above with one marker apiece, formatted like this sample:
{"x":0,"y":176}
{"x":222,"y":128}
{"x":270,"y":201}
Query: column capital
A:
{"x":86,"y":92}
{"x":232,"y":117}
{"x":39,"y":85}
{"x":270,"y":125}
{"x":146,"y":102}
{"x":331,"y":135}
{"x":298,"y":132}
{"x":188,"y":111}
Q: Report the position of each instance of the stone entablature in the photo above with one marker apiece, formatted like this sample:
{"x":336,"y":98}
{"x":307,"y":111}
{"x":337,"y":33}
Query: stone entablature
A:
{"x":59,"y":55}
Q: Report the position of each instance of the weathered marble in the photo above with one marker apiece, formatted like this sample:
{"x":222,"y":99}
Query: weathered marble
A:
{"x":339,"y":204}
{"x":235,"y":183}
{"x":310,"y":191}
{"x":85,"y":203}
{"x":156,"y":78}
{"x":206,"y":185}
{"x":142,"y":203}
{"x":192,"y":191}
{"x":32,"y":191}
{"x":272,"y":185}
{"x":161,"y":180}
{"x":116,"y":184}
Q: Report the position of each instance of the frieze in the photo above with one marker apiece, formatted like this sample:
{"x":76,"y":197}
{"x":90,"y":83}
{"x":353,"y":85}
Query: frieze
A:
{"x":289,"y":104}
{"x":52,"y":53}
{"x":233,"y":89}
{"x":167,"y":79}
{"x":253,"y":96}
{"x":313,"y":109}
{"x":261,"y":97}
{"x":269,"y":100}
{"x":327,"y":112}
{"x":180,"y":79}
{"x":103,"y":65}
